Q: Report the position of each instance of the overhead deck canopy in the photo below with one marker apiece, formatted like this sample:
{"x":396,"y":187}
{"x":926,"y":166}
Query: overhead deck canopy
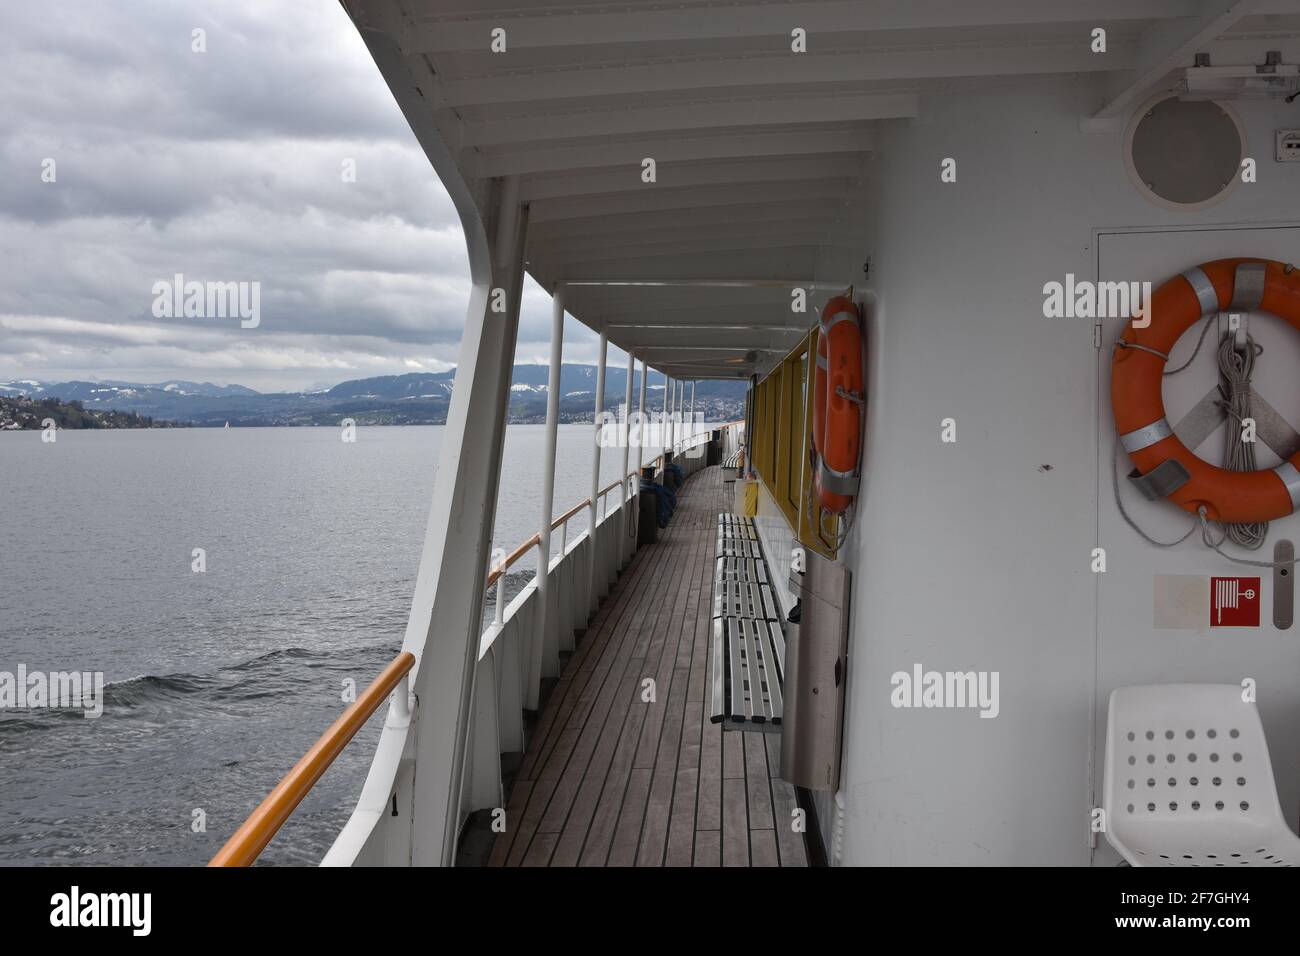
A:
{"x":761,"y":152}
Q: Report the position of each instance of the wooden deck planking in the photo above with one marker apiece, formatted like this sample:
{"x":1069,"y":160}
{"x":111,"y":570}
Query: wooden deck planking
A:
{"x":598,"y":659}
{"x":608,"y":653}
{"x":611,"y":780}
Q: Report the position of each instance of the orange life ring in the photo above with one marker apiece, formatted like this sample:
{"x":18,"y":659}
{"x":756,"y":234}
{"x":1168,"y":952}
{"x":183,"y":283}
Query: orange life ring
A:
{"x":1138,"y":366}
{"x":837,"y":405}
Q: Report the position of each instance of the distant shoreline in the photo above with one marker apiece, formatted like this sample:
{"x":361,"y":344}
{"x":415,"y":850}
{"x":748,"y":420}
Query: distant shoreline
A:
{"x":27,"y":414}
{"x":408,"y":399}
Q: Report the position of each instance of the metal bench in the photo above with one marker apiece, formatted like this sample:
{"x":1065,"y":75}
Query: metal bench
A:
{"x":748,"y":671}
{"x":751,"y":599}
{"x":731,"y":467}
{"x":748,"y":648}
{"x":741,"y":569}
{"x":739,"y":548}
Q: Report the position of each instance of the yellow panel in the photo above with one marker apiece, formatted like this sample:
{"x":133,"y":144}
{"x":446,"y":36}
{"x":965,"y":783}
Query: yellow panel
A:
{"x":782,"y":440}
{"x":789,"y":438}
{"x":749,"y":503}
{"x":810,"y":513}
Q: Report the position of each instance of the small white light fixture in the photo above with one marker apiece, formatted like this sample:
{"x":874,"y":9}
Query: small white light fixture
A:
{"x":1272,"y":79}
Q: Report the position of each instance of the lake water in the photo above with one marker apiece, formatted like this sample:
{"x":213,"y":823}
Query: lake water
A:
{"x":218,"y":681}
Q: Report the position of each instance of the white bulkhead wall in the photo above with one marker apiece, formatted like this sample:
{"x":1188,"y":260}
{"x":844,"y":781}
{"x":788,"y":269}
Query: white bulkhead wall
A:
{"x":975,"y":555}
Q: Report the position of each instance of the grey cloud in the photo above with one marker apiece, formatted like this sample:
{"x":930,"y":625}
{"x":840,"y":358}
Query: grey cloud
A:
{"x":222,"y":166}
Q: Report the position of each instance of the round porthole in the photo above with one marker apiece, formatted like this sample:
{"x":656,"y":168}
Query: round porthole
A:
{"x":1184,"y":154}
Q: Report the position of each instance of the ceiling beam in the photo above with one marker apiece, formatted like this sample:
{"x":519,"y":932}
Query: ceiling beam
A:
{"x":597,"y":253}
{"x":696,"y":236}
{"x":785,"y":71}
{"x":665,"y":151}
{"x":685,"y":353}
{"x":772,"y":264}
{"x":701,"y":373}
{"x":690,"y":296}
{"x":632,"y":314}
{"x":773,"y":314}
{"x":536,"y":187}
{"x":1163,"y":48}
{"x":642,"y":257}
{"x":815,"y":211}
{"x":666,"y":197}
{"x":715,"y":115}
{"x":706,"y":307}
{"x":736,"y":280}
{"x":562,"y":26}
{"x":755,"y":337}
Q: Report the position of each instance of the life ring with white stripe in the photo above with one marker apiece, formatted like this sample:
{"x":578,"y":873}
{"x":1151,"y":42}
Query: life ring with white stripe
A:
{"x":838,"y":400}
{"x":1137,"y":370}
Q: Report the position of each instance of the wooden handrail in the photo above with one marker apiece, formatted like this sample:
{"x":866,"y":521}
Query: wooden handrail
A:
{"x":614,"y":484}
{"x":511,"y":559}
{"x":570,"y":513}
{"x":263,"y":823}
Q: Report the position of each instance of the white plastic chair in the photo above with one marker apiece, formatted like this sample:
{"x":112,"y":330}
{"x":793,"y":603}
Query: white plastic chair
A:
{"x":1188,"y":781}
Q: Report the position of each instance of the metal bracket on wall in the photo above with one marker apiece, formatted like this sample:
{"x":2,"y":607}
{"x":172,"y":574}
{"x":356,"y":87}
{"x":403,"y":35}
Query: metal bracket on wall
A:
{"x":1283,"y":584}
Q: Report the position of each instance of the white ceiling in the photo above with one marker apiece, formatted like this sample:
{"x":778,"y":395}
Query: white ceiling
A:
{"x":762,"y":154}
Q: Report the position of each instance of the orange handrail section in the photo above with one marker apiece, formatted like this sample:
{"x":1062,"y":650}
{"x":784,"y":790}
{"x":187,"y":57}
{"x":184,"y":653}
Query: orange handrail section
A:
{"x":263,"y":823}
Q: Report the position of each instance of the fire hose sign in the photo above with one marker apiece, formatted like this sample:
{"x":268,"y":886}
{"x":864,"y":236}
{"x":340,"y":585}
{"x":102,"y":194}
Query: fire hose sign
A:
{"x":1234,"y":602}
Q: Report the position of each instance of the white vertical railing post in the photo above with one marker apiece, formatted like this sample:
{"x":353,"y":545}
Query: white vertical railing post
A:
{"x":548,"y":494}
{"x":678,"y":429}
{"x":666,"y":429}
{"x":627,"y":432}
{"x":672,"y":417}
{"x":679,"y":396}
{"x":402,"y":698}
{"x":691,"y":417}
{"x":634,"y":529}
{"x":499,"y":616}
{"x":595,"y":470}
{"x":643,"y":432}
{"x":672,"y":410}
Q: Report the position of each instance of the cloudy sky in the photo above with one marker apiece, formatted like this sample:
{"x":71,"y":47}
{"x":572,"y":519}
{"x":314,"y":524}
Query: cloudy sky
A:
{"x":223,"y":166}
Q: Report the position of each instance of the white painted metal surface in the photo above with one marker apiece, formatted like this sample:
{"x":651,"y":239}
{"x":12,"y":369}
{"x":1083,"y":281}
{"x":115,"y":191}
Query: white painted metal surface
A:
{"x":1126,"y":594}
{"x":776,"y":170}
{"x":603,"y":355}
{"x":545,"y":651}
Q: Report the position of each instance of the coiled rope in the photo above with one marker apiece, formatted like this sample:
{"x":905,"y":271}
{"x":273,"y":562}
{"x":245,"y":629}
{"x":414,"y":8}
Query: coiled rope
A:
{"x":1235,"y":368}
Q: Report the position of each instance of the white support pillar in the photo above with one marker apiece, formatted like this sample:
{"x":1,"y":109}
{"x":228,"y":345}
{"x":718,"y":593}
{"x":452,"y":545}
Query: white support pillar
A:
{"x":627,"y":432}
{"x":679,"y":396}
{"x":667,"y":430}
{"x":680,"y":418}
{"x":625,"y":519}
{"x":595,"y":472}
{"x":691,"y":417}
{"x":672,"y":419}
{"x":644,"y":430}
{"x":401,"y":816}
{"x":541,"y":639}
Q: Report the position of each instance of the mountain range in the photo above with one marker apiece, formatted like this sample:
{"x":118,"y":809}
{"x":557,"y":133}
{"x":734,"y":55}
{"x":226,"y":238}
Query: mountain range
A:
{"x":416,"y":398}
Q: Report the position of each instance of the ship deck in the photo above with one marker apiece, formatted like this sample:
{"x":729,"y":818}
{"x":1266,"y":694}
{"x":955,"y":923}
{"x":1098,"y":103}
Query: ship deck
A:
{"x":610,"y":779}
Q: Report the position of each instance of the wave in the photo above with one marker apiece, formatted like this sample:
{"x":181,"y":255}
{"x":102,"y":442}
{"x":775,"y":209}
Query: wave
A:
{"x":147,"y":688}
{"x":230,"y":689}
